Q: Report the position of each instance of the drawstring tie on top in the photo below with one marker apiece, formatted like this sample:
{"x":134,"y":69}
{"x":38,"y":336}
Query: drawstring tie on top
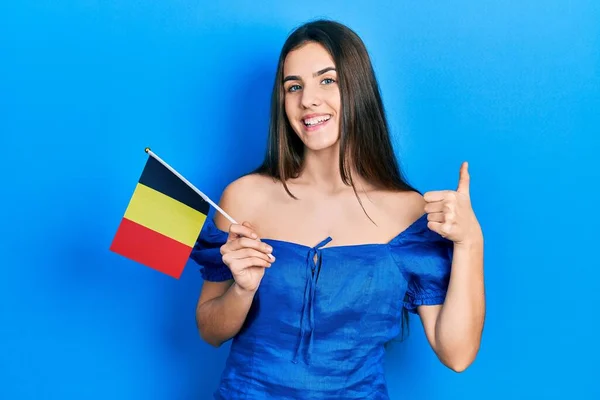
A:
{"x":312,"y":269}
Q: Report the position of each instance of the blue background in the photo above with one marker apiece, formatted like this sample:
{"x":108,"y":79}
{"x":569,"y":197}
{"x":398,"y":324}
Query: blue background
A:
{"x":512,"y":87}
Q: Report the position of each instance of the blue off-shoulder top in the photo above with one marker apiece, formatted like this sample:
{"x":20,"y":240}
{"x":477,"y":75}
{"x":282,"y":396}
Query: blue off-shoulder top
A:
{"x":317,"y":329}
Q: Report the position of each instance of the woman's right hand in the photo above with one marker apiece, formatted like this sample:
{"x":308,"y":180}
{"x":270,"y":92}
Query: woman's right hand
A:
{"x":246,"y":256}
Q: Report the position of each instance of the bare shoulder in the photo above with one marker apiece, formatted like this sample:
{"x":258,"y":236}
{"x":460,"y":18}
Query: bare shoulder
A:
{"x":242,"y":197}
{"x":405,"y":206}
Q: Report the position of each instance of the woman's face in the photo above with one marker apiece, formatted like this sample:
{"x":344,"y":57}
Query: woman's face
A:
{"x":312,"y":96}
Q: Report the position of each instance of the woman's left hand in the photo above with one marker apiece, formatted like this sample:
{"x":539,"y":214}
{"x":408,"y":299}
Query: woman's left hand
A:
{"x":450,"y":214}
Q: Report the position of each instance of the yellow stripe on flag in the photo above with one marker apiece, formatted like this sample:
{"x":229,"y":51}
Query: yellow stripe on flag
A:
{"x":165,"y":215}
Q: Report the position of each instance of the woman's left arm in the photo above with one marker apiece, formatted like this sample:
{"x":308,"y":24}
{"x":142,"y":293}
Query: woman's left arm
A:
{"x":454,"y":329}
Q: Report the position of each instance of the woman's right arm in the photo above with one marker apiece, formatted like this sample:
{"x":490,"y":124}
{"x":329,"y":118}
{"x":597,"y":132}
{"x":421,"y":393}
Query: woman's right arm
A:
{"x":221,"y":311}
{"x":223,"y":306}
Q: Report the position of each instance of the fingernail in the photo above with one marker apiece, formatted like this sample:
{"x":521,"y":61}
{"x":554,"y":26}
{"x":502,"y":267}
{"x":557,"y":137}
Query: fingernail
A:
{"x":254,"y":236}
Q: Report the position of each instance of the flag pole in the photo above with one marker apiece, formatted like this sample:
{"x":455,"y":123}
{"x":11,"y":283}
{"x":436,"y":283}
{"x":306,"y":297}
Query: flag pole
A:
{"x":205,"y":197}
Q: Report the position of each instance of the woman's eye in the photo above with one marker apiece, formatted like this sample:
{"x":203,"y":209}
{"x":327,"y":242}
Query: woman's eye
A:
{"x":293,"y":88}
{"x":328,"y":81}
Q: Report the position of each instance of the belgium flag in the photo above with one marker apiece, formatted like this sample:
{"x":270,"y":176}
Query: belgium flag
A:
{"x":162,"y":221}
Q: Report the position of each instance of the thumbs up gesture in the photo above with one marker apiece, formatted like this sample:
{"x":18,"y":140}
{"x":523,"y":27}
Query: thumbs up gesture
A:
{"x":450,"y":214}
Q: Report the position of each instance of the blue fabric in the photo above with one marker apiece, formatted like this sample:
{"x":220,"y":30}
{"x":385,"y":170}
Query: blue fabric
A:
{"x":317,"y":330}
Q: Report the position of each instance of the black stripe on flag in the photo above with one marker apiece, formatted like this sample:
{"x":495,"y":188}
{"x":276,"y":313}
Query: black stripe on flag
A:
{"x":160,"y":178}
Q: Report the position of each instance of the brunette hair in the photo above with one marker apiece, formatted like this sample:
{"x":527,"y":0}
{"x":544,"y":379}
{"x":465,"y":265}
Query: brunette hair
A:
{"x":364,"y":133}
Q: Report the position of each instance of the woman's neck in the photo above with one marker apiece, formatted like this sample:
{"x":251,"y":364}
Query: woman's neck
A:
{"x":321,"y":170}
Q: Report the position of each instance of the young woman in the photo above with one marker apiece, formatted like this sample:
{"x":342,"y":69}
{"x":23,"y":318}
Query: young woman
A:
{"x":337,"y":247}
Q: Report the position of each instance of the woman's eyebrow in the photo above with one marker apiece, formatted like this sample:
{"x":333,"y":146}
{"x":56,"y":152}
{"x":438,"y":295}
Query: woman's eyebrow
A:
{"x":297,"y":78}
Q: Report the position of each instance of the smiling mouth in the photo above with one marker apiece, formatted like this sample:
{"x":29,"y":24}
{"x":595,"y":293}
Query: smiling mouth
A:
{"x":315,"y":121}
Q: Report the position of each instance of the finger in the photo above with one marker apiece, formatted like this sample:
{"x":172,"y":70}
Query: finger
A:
{"x":436,"y":217}
{"x":442,"y":228}
{"x":249,"y":253}
{"x":438,"y":206}
{"x":253,"y":262}
{"x":238,"y":265}
{"x":254,"y":235}
{"x":244,"y":242}
{"x":437,"y":195}
{"x":434,"y":226}
{"x":237,"y":260}
{"x":242,"y":230}
{"x":464,"y":178}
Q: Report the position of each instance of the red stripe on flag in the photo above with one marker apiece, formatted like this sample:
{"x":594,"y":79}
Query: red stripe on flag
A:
{"x":150,"y":248}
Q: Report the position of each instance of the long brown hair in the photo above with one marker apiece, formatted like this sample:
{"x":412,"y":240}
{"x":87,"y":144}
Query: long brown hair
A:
{"x":365,"y":144}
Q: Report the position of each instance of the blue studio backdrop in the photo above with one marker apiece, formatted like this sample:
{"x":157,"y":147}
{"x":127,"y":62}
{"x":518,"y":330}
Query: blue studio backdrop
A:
{"x":85,"y":86}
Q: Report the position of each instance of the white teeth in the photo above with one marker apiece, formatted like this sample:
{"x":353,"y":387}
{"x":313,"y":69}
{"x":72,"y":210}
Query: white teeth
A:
{"x":316,"y":120}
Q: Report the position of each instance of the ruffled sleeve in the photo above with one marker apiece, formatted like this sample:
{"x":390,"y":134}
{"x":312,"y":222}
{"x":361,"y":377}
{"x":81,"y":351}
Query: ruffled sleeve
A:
{"x":425,"y":259}
{"x":207,"y":253}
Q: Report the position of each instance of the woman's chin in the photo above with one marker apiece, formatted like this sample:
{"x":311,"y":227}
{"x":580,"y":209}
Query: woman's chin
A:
{"x":321,"y":143}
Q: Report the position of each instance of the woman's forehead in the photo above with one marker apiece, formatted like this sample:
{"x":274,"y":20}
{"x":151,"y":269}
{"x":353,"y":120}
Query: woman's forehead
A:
{"x":307,"y":60}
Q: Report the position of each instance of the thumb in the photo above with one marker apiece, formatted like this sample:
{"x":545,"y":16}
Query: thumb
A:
{"x":464,"y":179}
{"x":252,"y":228}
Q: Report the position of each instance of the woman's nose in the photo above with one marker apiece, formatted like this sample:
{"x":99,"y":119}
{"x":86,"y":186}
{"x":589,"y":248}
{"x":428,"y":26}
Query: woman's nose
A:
{"x":310,"y":98}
